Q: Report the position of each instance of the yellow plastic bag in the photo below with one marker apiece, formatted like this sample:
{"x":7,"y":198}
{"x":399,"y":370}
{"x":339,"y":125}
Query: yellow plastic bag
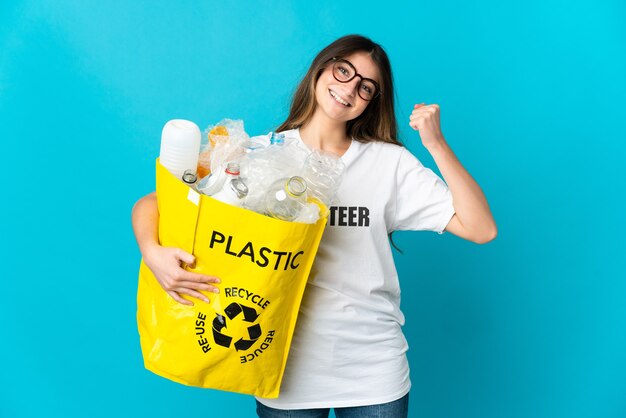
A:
{"x":240,"y":340}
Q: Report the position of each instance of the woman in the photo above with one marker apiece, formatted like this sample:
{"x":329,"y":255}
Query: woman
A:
{"x":348,"y":350}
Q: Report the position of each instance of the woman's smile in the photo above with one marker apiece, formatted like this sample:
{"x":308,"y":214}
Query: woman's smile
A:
{"x":337,"y":97}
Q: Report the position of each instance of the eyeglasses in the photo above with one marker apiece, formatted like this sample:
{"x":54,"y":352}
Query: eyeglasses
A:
{"x":344,"y":71}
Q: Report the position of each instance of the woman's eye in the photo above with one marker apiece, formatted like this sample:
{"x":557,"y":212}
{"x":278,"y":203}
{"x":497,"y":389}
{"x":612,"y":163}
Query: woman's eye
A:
{"x":367,"y":89}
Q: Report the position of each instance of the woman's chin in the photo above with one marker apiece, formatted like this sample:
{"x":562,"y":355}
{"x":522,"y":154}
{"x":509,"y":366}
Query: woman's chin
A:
{"x":340,"y":114}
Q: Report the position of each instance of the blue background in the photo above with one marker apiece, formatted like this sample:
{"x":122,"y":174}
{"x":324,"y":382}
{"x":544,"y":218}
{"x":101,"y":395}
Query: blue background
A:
{"x":531,"y":95}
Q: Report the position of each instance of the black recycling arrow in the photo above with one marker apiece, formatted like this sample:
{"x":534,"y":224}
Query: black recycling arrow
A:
{"x":249,"y":314}
{"x":218,"y":324}
{"x":254,"y":331}
{"x":243,"y":344}
{"x":221,"y":339}
{"x":233,"y":310}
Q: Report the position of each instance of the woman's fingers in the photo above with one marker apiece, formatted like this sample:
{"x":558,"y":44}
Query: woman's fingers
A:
{"x":198,"y":286}
{"x":197,"y":277}
{"x":185,"y":257}
{"x":416,"y":117}
{"x":422,"y":111}
{"x":178,"y":299}
{"x":192,"y":293}
{"x":167,"y":265}
{"x":183,"y":288}
{"x":416,"y":121}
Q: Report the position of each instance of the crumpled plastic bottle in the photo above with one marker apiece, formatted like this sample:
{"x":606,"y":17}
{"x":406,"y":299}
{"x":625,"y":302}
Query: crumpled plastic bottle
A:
{"x":214,"y":182}
{"x":283,"y":157}
{"x":286,"y":198}
{"x":323,"y":172}
{"x":234,"y":190}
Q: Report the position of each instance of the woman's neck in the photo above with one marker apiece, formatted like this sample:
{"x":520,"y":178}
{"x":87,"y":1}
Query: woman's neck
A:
{"x":324,"y":134}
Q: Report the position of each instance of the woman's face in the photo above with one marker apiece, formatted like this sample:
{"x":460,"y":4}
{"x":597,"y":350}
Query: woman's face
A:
{"x":340,"y":101}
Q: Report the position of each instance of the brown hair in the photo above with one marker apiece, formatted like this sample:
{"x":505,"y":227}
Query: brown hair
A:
{"x":378,"y":120}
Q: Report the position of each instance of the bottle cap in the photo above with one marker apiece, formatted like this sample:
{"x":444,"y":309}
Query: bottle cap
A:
{"x":232,"y":168}
{"x":277,"y":138}
{"x":296,"y":186}
{"x":189,"y":176}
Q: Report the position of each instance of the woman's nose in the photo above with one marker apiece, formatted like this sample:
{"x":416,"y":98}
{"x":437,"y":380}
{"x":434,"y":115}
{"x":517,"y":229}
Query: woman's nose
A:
{"x":353,"y":85}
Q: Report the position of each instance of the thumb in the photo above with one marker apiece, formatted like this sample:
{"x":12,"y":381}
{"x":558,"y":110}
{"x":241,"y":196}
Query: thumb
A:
{"x":419,"y":105}
{"x":185,"y":257}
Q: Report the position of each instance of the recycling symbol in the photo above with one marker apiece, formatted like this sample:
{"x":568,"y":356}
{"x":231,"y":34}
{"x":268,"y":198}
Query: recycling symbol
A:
{"x":232,"y":311}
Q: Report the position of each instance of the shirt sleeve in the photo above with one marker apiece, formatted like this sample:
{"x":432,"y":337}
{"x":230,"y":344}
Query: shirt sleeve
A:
{"x":423,"y":200}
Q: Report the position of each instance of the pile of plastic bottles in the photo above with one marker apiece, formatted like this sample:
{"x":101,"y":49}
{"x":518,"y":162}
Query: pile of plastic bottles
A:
{"x":268,"y":174}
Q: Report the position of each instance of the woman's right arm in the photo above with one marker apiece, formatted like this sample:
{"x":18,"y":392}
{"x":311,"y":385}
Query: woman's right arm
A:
{"x":166,"y":262}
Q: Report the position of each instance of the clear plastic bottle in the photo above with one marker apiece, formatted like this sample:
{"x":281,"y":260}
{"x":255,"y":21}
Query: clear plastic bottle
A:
{"x":253,"y":144}
{"x":323,"y":172}
{"x":285,"y":198}
{"x":261,"y":168}
{"x":214,"y":182}
{"x":210,"y":184}
{"x":234,"y":190}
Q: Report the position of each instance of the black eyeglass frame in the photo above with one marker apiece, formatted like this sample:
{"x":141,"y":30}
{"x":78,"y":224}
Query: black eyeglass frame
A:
{"x":379,"y":91}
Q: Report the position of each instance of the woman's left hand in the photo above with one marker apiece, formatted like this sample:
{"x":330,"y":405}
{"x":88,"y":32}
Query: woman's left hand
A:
{"x":425,"y":120}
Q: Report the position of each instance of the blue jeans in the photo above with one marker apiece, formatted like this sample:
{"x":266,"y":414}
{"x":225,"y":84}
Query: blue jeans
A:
{"x":395,"y":409}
